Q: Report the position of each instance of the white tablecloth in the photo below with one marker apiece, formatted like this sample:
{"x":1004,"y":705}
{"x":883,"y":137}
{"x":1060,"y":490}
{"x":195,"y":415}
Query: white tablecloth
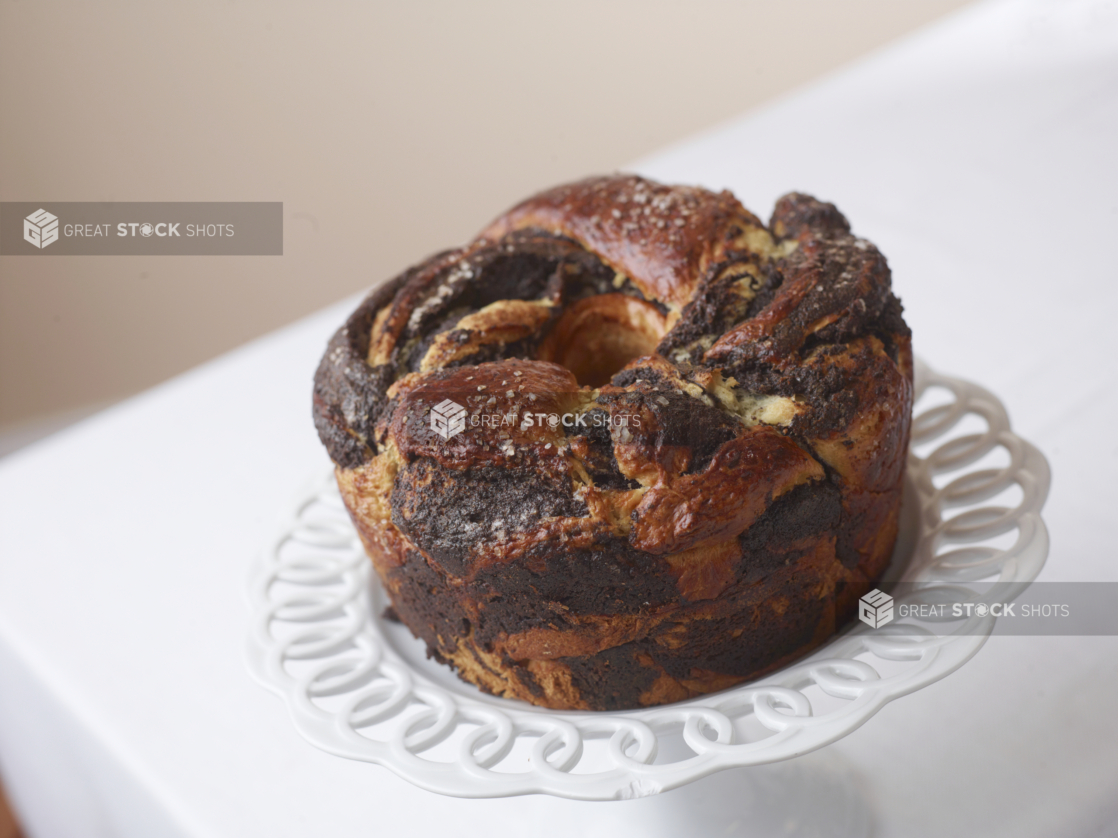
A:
{"x":980,"y":156}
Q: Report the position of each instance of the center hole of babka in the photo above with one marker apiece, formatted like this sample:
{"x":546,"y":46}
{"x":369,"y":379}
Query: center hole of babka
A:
{"x":596,"y":337}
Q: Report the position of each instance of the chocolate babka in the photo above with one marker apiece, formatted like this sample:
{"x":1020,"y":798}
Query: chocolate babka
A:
{"x":629,"y":445}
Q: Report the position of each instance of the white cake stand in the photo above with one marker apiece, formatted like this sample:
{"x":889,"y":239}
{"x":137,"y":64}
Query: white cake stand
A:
{"x":361,"y":687}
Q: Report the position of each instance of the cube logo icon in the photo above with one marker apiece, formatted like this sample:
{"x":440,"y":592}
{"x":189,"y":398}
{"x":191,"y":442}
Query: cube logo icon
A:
{"x":448,"y":419}
{"x":875,"y":609}
{"x":40,"y":228}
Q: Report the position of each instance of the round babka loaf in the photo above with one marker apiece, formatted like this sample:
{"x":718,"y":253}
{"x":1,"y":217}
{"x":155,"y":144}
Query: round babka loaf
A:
{"x":629,"y":445}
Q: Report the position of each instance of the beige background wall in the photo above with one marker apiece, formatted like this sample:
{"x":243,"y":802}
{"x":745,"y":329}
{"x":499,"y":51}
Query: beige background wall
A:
{"x":388,"y":130}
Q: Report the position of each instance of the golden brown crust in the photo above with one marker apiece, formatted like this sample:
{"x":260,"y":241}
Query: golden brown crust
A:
{"x":682,"y":451}
{"x":691,"y":511}
{"x":662,"y":237}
